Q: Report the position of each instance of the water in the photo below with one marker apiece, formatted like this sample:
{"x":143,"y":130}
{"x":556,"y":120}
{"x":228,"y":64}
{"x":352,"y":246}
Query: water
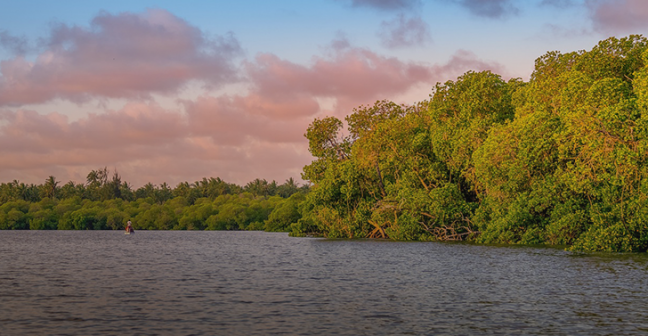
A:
{"x":255,"y":283}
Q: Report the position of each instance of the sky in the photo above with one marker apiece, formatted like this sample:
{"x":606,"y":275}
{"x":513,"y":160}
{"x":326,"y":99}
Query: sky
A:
{"x":170,"y":91}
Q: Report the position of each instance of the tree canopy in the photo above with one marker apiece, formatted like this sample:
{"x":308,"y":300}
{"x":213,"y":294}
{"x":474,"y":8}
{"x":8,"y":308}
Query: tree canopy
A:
{"x":104,"y":202}
{"x":560,"y":159}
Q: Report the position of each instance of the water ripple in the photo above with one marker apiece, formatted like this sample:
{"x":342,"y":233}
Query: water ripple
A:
{"x":254,"y":283}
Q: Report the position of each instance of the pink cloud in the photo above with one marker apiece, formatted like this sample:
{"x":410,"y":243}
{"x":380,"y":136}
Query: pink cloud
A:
{"x":352,"y":72}
{"x":125,"y":55}
{"x":135,"y":124}
{"x":240,"y":119}
{"x":238,"y":137}
{"x":619,"y":16}
{"x":215,"y":136}
{"x":464,"y":60}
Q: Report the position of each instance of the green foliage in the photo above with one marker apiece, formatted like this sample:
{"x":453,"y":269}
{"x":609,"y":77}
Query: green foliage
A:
{"x":14,"y":215}
{"x":85,"y":218}
{"x":105,"y":203}
{"x":43,"y":215}
{"x":284,"y":214}
{"x":409,"y":173}
{"x":559,"y":160}
{"x":324,"y":140}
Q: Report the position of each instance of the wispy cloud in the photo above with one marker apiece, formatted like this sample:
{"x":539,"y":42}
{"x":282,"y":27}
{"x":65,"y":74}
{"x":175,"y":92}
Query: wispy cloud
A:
{"x":387,"y":5}
{"x":405,"y":32}
{"x":355,"y":73}
{"x":16,"y":45}
{"x":558,"y":3}
{"x":618,"y":16}
{"x":494,"y":9}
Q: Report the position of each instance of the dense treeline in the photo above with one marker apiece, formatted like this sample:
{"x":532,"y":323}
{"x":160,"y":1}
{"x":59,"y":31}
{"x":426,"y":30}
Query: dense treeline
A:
{"x":105,"y":202}
{"x":561,"y":159}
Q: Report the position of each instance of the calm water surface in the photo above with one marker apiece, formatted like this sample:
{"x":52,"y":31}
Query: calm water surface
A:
{"x":255,"y":283}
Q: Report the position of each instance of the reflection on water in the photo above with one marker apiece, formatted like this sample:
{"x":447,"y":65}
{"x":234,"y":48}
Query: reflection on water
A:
{"x":255,"y":283}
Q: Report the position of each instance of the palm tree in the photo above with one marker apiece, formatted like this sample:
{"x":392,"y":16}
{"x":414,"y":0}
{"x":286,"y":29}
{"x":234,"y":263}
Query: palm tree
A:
{"x":51,"y":187}
{"x":288,"y":188}
{"x":163,"y":194}
{"x":98,"y":177}
{"x":92,"y":178}
{"x":113,"y":188}
{"x":21,"y":190}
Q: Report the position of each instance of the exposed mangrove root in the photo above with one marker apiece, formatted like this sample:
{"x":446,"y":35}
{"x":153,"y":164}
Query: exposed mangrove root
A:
{"x":378,"y":232}
{"x":449,"y":233}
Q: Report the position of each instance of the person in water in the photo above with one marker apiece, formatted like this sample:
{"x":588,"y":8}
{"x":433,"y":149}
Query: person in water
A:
{"x":129,"y":227}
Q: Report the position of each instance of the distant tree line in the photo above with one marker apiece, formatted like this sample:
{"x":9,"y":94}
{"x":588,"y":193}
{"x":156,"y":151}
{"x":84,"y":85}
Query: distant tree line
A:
{"x":105,"y":202}
{"x":561,"y":159}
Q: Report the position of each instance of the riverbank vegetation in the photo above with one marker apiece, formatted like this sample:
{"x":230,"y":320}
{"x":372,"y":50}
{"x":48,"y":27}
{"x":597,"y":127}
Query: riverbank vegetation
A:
{"x":561,"y":159}
{"x":105,"y":202}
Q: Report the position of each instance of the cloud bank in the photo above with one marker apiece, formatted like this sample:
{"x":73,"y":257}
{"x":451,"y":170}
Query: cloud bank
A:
{"x":119,"y":56}
{"x":238,"y":136}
